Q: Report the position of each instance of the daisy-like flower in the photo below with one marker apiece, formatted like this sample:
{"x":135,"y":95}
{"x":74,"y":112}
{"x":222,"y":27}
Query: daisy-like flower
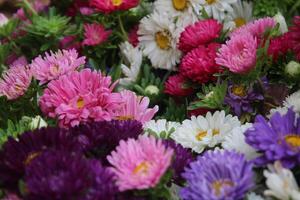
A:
{"x":139,"y":164}
{"x":3,"y":19}
{"x":200,"y":33}
{"x":134,"y":107}
{"x":218,"y":175}
{"x":293,"y":101}
{"x":80,"y":97}
{"x":236,"y":141}
{"x":15,"y":81}
{"x":158,"y":39}
{"x":201,"y":132}
{"x":217,"y":8}
{"x":108,"y":6}
{"x":279,"y":18}
{"x":54,"y":65}
{"x":160,"y":128}
{"x":281,"y":183}
{"x":238,"y":54}
{"x":95,"y":34}
{"x":134,"y":58}
{"x":175,"y":85}
{"x":240,"y":15}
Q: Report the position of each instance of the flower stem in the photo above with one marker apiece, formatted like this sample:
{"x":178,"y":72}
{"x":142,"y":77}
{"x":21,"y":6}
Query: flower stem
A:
{"x":29,"y":7}
{"x":124,"y":33}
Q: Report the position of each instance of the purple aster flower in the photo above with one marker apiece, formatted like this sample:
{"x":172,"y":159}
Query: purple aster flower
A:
{"x":278,"y":139}
{"x":58,"y":175}
{"x":218,"y":175}
{"x":240,"y":99}
{"x":17,"y":153}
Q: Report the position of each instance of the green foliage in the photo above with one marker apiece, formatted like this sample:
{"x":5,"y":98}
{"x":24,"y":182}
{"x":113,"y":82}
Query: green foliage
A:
{"x":4,"y":52}
{"x":7,"y":29}
{"x":174,"y":112}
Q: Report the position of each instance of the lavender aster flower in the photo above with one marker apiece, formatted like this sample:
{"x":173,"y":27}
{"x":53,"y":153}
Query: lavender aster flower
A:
{"x":278,"y":139}
{"x":218,"y":175}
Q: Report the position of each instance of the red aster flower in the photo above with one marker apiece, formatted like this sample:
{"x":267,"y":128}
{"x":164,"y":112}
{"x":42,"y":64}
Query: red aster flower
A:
{"x":108,"y":6}
{"x":279,"y":46}
{"x":175,"y":86}
{"x":295,"y":36}
{"x":133,"y":37}
{"x":95,"y":34}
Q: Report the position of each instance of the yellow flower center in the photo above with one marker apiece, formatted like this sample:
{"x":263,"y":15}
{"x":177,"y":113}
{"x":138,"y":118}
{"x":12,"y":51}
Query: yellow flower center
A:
{"x":141,"y":168}
{"x":209,"y":2}
{"x":239,"y":22}
{"x":202,"y":134}
{"x":180,"y":4}
{"x":117,"y":2}
{"x":293,"y":140}
{"x":30,"y":157}
{"x":219,"y":184}
{"x":239,"y":90}
{"x":80,"y":103}
{"x":163,"y":39}
{"x":123,"y":118}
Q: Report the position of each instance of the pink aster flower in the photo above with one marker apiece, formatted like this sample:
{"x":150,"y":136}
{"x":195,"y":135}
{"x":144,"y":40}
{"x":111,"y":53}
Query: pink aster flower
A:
{"x":95,"y":34}
{"x":15,"y":82}
{"x":80,"y":97}
{"x":19,"y":61}
{"x":238,"y":54}
{"x":54,"y":65}
{"x":175,"y":85}
{"x":200,"y":33}
{"x":108,"y":6}
{"x":70,"y":42}
{"x":134,"y":107}
{"x":199,"y":64}
{"x":139,"y":164}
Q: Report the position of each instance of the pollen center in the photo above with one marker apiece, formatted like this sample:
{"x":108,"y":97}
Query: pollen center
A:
{"x":123,"y":118}
{"x":80,"y":103}
{"x":239,"y":90}
{"x":220,"y":185}
{"x":141,"y":168}
{"x":163,"y":40}
{"x":117,"y":2}
{"x":180,"y":4}
{"x":209,"y":2}
{"x":293,"y":140}
{"x":239,"y":22}
{"x":201,"y":135}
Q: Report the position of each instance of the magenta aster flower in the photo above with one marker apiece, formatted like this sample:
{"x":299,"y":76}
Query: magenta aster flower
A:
{"x":139,"y":164}
{"x":238,"y":54}
{"x":108,"y":6}
{"x":95,"y":34}
{"x":15,"y":81}
{"x":133,"y":37}
{"x":295,"y":36}
{"x":80,"y":97}
{"x":175,"y":86}
{"x":54,"y":65}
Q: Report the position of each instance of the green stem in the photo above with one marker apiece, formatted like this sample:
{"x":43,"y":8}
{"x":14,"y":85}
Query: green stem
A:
{"x":124,"y":33}
{"x":29,"y":7}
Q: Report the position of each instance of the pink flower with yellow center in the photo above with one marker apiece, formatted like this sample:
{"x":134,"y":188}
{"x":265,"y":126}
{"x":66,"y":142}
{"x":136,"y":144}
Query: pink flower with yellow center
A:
{"x":95,"y":34}
{"x":108,"y":6}
{"x":140,"y":164}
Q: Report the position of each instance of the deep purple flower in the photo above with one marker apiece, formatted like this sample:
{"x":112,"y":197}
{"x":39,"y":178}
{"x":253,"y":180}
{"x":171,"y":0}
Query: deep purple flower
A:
{"x":17,"y":153}
{"x":58,"y":175}
{"x":218,"y":175}
{"x":240,"y":99}
{"x":278,"y":139}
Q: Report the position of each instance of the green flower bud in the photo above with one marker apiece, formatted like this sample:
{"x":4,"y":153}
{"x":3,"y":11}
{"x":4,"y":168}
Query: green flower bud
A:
{"x":152,"y":90}
{"x":293,"y":69}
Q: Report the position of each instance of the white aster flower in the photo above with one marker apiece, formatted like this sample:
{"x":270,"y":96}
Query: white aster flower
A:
{"x":134,"y":58}
{"x":37,"y":122}
{"x":217,"y":8}
{"x":200,"y":132}
{"x":281,"y":110}
{"x":236,"y":141}
{"x":3,"y":20}
{"x":293,"y":101}
{"x":160,"y":128}
{"x":281,"y":183}
{"x":158,"y":39}
{"x":240,"y":15}
{"x":279,"y":18}
{"x":253,"y":196}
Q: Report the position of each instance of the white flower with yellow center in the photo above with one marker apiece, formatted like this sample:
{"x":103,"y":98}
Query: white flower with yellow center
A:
{"x":240,"y":15}
{"x":160,"y":128}
{"x":201,"y":132}
{"x":158,"y":39}
{"x":217,"y":8}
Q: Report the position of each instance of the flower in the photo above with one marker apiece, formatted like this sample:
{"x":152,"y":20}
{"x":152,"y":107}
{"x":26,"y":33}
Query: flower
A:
{"x":15,"y":82}
{"x":253,"y":196}
{"x":218,"y":175}
{"x":54,"y":65}
{"x":200,"y":132}
{"x":80,"y":97}
{"x":236,"y":141}
{"x":281,"y":183}
{"x":281,"y":133}
{"x":279,"y":18}
{"x":11,"y":196}
{"x":19,"y":61}
{"x":70,"y":42}
{"x":279,"y":46}
{"x":238,"y":54}
{"x":134,"y":107}
{"x":152,"y":90}
{"x":295,"y":38}
{"x":3,"y":20}
{"x":199,"y":64}
{"x":160,"y":128}
{"x":293,"y":69}
{"x":158,"y":37}
{"x":217,"y":8}
{"x":139,"y":164}
{"x":200,"y":33}
{"x":133,"y":37}
{"x":108,"y":6}
{"x":61,"y":175}
{"x":293,"y":102}
{"x":37,"y":122}
{"x":95,"y":34}
{"x":175,"y":85}
{"x":81,"y":6}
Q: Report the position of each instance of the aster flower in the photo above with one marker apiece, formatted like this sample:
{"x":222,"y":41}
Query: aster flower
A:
{"x":3,"y":19}
{"x":238,"y":54}
{"x":134,"y":107}
{"x":108,"y":6}
{"x":282,"y":133}
{"x":199,"y":64}
{"x":19,"y":61}
{"x":54,"y":65}
{"x":218,"y":175}
{"x":201,"y":132}
{"x":279,"y":46}
{"x":133,"y":37}
{"x":139,"y":164}
{"x":253,"y":196}
{"x":279,"y":18}
{"x":199,"y":33}
{"x":295,"y":36}
{"x":95,"y":34}
{"x":80,"y":97}
{"x":293,"y":102}
{"x":15,"y":81}
{"x":160,"y":128}
{"x":158,"y":39}
{"x":175,"y":85}
{"x":61,"y":175}
{"x":217,"y":8}
{"x":70,"y":42}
